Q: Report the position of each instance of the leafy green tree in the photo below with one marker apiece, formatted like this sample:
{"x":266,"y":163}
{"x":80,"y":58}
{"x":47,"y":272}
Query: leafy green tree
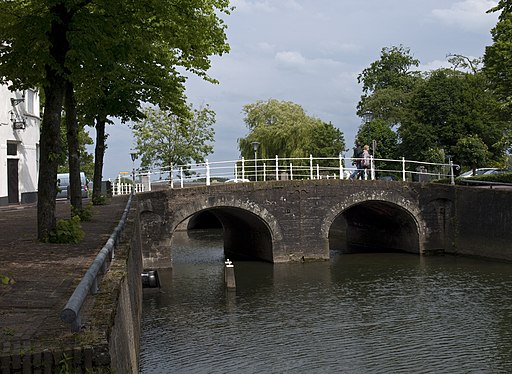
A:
{"x":86,"y":158}
{"x":55,"y":44}
{"x":385,"y":138}
{"x":164,"y":139}
{"x":498,"y":68}
{"x":387,"y":84}
{"x":472,"y":151}
{"x":447,"y":106}
{"x":431,"y":111}
{"x":284,"y":129}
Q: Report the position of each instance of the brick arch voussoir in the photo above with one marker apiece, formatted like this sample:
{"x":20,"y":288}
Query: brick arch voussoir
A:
{"x":408,"y":205}
{"x":196,"y":206}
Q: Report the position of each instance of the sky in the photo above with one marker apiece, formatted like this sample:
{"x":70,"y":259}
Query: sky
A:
{"x":310,"y":52}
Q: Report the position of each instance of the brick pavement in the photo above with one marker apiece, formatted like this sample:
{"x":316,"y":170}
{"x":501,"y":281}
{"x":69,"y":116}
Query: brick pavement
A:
{"x":45,"y":275}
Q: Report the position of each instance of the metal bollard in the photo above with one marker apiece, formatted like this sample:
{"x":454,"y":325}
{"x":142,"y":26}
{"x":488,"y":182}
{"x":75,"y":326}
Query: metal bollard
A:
{"x":229,"y":274}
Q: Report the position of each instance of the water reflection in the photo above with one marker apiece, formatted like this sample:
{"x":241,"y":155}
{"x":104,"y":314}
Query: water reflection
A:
{"x":356,"y":313}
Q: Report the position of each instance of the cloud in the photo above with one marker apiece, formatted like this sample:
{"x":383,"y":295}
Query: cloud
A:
{"x":330,"y":47}
{"x":290,"y":59}
{"x":434,"y":65}
{"x":266,"y":47}
{"x":468,"y":15}
{"x":248,"y":6}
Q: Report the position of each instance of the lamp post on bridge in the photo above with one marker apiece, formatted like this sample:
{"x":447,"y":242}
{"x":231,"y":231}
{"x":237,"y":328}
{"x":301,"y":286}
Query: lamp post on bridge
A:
{"x":367,"y":118}
{"x":134,"y":157}
{"x":255,"y":146}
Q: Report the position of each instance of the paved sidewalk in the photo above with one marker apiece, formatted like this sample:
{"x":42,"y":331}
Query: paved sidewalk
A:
{"x":45,"y":275}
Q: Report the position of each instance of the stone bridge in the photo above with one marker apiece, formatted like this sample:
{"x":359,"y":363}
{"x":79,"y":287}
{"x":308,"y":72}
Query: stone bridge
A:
{"x":285,"y":221}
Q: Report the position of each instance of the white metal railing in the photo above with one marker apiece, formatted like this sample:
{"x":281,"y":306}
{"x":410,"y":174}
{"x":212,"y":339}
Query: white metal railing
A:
{"x":277,"y":168}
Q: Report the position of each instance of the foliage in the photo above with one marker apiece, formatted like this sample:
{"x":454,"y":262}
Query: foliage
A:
{"x":85,"y":214}
{"x":165,"y":139}
{"x":393,"y":69}
{"x":430,"y":112}
{"x":67,"y":231}
{"x":100,"y":200}
{"x":472,"y":151}
{"x":5,"y":280}
{"x":115,"y":55}
{"x":284,"y":129}
{"x":86,"y":158}
{"x":498,"y":55}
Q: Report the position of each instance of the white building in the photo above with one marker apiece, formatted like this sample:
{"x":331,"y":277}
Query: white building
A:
{"x":19,"y":146}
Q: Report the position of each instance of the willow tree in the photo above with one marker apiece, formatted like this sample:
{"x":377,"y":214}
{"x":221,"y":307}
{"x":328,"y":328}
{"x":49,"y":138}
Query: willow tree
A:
{"x":283,"y":128}
{"x":58,"y":44}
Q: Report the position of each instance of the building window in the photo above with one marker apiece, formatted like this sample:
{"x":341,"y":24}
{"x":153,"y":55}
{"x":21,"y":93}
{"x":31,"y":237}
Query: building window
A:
{"x":30,"y":101}
{"x":12,"y":149}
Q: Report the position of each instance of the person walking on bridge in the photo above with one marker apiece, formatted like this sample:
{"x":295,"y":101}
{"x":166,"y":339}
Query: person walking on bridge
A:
{"x":357,"y":162}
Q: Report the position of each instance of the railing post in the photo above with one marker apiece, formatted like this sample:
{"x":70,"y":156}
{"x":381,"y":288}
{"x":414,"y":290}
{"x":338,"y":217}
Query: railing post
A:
{"x":372,"y":167}
{"x":243,"y":168}
{"x":452,"y":177}
{"x":170,"y":177}
{"x":181,"y":176}
{"x":317,"y":171}
{"x":403,"y":169}
{"x":236,"y":169}
{"x":341,"y":167}
{"x":264,"y":172}
{"x":207,"y":173}
{"x":291,"y":171}
{"x":277,"y":168}
{"x":310,"y":166}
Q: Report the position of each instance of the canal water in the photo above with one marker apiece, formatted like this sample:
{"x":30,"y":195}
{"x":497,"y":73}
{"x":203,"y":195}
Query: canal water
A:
{"x":357,"y":313}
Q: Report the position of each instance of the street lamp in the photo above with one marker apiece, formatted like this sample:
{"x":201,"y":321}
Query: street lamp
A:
{"x":134,"y":157}
{"x":367,"y":118}
{"x":255,"y":146}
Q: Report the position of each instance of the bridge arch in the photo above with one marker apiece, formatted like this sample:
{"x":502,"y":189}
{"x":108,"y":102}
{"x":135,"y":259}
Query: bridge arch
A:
{"x":368,"y":222}
{"x":249,"y":230}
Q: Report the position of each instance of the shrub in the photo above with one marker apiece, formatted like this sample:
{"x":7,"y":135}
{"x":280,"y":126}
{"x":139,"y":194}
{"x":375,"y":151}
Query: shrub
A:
{"x":67,"y":231}
{"x":100,"y":200}
{"x":85,"y":214}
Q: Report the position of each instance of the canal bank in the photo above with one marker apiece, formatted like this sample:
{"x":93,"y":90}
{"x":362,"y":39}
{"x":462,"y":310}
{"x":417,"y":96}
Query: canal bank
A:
{"x":40,"y":279}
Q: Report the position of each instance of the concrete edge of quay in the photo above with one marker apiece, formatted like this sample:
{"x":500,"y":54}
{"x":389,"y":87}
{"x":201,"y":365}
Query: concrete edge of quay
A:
{"x":109,"y":341}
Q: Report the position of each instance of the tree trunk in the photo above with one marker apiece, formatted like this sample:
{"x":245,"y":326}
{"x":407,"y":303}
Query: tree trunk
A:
{"x":50,"y":144}
{"x":75,"y":190}
{"x":99,"y":153}
{"x":49,"y":161}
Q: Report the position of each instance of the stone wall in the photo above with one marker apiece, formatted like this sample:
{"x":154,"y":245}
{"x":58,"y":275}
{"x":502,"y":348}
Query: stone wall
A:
{"x":117,"y":311}
{"x":483,"y":222}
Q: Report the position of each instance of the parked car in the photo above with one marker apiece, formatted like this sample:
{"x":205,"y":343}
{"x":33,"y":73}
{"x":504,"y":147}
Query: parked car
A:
{"x":237,"y":180}
{"x":480,"y":171}
{"x":63,"y":185}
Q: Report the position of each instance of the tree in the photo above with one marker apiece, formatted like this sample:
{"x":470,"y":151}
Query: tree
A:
{"x":86,"y":158}
{"x":498,"y":68}
{"x":472,"y":151}
{"x":164,"y":139}
{"x":283,"y":128}
{"x":387,"y":84}
{"x":449,"y":105}
{"x":431,"y":111}
{"x":54,"y":43}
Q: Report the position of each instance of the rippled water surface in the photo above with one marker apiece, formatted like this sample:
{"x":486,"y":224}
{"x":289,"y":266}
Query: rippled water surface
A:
{"x":358,"y":313}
